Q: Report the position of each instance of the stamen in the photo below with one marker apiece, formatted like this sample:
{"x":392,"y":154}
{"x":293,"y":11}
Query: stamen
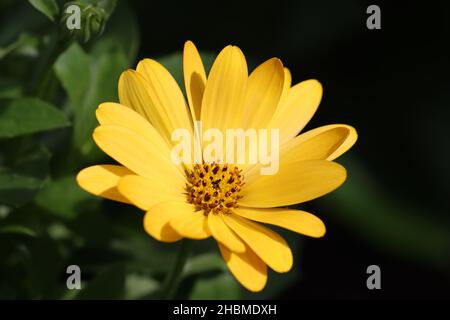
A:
{"x":214,"y":188}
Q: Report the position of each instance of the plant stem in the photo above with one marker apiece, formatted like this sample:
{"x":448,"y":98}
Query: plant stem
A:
{"x":172,"y":280}
{"x":44,"y":71}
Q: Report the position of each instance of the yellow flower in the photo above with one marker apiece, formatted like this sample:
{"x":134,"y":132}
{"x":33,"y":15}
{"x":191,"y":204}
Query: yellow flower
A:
{"x":228,"y":202}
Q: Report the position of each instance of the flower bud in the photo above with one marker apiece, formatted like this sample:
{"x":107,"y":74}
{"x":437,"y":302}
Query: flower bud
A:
{"x":83,"y":20}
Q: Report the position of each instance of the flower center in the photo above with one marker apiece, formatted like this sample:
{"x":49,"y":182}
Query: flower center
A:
{"x":214,"y":187}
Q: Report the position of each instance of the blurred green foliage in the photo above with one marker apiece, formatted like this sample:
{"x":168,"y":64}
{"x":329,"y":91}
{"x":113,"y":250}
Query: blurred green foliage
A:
{"x":49,"y":8}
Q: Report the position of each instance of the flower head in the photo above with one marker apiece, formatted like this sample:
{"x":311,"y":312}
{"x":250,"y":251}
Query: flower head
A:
{"x":230,"y":201}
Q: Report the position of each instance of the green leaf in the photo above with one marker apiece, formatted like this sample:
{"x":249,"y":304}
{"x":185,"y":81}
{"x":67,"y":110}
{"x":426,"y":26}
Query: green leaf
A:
{"x":138,"y":286}
{"x":10,"y":88}
{"x":24,"y":42}
{"x":206,"y":277}
{"x":219,"y":287}
{"x":17,"y":229}
{"x":89,"y":81}
{"x":110,"y":284}
{"x":74,"y":78}
{"x":21,"y":180}
{"x":204,"y":263}
{"x":47,"y":7}
{"x":64,"y":198}
{"x":29,"y":115}
{"x":136,"y":244}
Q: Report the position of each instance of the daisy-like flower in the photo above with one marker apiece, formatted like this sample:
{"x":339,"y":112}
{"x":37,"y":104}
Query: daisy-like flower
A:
{"x":231,"y":203}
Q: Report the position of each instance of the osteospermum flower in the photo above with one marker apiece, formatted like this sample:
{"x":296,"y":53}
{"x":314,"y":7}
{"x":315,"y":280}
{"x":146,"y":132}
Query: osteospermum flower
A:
{"x":229,"y":202}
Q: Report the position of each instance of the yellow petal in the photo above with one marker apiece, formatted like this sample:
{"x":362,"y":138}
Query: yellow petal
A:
{"x":222,"y":233}
{"x":116,"y":114}
{"x":268,"y":245}
{"x":225,"y":91}
{"x":144,"y":193}
{"x":349,"y":141}
{"x":136,"y":153}
{"x":295,"y":220}
{"x":315,"y":147}
{"x":295,"y":182}
{"x":188,"y":223}
{"x":165,"y":95}
{"x":102,"y":180}
{"x":322,"y":143}
{"x":297,"y":108}
{"x":135,"y":92}
{"x":287,"y":80}
{"x":194,"y":78}
{"x":264,"y":89}
{"x":246,"y":267}
{"x":156,"y":223}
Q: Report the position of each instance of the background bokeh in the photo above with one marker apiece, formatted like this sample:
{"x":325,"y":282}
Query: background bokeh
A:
{"x":391,"y":84}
